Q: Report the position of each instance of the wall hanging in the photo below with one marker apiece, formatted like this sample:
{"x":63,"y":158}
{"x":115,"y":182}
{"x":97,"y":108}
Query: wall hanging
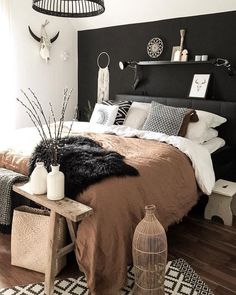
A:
{"x":155,"y":47}
{"x":69,"y":8}
{"x":103,"y":78}
{"x":45,"y":41}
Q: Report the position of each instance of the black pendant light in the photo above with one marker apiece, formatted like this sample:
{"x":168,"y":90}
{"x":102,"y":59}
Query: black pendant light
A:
{"x":69,"y":8}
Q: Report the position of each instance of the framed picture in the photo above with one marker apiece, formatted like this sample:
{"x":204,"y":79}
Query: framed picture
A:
{"x":199,"y":85}
{"x":174,"y":49}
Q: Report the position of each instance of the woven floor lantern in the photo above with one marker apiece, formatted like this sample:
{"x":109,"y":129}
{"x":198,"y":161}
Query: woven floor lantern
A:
{"x":149,"y":255}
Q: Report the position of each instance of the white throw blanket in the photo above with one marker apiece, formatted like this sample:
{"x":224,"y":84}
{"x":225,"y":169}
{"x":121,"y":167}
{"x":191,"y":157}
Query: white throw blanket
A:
{"x":199,"y":156}
{"x":103,"y":84}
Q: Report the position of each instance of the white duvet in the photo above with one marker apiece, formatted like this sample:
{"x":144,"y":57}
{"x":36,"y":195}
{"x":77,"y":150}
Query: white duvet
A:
{"x":24,"y":140}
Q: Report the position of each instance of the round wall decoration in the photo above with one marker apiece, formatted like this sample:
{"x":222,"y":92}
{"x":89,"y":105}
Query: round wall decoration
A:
{"x":155,"y":47}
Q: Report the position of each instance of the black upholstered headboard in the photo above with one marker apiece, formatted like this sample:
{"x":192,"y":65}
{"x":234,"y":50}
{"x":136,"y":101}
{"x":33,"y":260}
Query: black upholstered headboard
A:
{"x":223,"y":108}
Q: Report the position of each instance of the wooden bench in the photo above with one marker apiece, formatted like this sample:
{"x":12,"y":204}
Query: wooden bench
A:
{"x":72,"y":211}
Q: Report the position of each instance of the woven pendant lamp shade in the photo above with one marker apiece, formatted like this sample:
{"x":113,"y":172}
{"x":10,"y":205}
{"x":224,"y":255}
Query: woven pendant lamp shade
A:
{"x":149,"y":255}
{"x":69,"y":8}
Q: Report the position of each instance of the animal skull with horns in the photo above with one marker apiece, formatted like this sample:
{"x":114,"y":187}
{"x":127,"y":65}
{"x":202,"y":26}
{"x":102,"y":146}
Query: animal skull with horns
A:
{"x":45,"y":41}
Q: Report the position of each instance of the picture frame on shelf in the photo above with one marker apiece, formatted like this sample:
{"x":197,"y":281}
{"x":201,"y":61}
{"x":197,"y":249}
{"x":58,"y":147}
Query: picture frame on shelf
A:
{"x":174,"y":49}
{"x":199,"y":85}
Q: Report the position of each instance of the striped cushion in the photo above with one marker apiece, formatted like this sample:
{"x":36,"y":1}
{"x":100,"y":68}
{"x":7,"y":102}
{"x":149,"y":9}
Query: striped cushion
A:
{"x":122,"y":111}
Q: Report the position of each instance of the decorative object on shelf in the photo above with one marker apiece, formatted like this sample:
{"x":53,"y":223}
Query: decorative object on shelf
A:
{"x":155,"y":47}
{"x":103,"y":78}
{"x":38,"y":179}
{"x":197,"y":58}
{"x":184,"y":56}
{"x":204,"y":57}
{"x":45,"y":41}
{"x":174,"y":50}
{"x":50,"y":131}
{"x":199,"y":85}
{"x":55,"y":184}
{"x":137,"y":71}
{"x":149,"y":254}
{"x":69,"y":8}
{"x":178,"y":50}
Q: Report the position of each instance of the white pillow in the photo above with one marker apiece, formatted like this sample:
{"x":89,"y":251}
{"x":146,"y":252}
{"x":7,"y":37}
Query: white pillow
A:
{"x":199,"y":132}
{"x":214,"y":144}
{"x":211,"y":120}
{"x":137,"y":114}
{"x":104,"y":114}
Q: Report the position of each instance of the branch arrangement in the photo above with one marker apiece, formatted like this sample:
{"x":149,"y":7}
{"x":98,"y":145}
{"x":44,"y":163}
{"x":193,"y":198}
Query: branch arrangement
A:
{"x":50,"y":130}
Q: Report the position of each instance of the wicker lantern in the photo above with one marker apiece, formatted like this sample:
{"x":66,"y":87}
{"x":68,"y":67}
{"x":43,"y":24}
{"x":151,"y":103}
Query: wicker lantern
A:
{"x":149,"y":255}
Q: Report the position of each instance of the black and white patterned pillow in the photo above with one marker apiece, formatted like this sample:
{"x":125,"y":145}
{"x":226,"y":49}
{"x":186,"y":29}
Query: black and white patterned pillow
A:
{"x":164,"y":119}
{"x":122,"y":111}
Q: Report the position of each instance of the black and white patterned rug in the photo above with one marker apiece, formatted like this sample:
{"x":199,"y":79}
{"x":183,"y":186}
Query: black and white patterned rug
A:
{"x":180,"y":279}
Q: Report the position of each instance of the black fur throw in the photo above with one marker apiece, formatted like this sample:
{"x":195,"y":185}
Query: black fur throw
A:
{"x":84,"y":162}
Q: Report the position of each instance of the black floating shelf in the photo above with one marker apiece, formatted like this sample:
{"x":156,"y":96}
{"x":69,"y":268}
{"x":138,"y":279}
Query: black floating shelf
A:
{"x":168,"y":62}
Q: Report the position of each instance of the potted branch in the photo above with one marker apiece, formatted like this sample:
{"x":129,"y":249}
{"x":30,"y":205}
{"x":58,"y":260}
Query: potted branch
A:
{"x":50,"y":131}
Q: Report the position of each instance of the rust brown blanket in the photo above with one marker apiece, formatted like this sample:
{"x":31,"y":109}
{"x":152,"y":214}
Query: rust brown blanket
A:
{"x":104,"y":240}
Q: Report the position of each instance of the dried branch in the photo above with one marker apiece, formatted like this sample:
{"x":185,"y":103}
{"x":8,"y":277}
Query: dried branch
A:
{"x":54,"y":120}
{"x":36,"y":114}
{"x":33,"y":112}
{"x":73,"y":120}
{"x":42,"y":113}
{"x":64,"y":111}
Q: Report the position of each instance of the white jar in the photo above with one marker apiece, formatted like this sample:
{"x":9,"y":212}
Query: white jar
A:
{"x":55,"y":184}
{"x":38,"y":179}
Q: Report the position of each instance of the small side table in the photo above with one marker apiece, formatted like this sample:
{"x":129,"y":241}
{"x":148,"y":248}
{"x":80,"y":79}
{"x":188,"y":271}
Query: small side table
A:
{"x":221,"y":202}
{"x":72,"y":211}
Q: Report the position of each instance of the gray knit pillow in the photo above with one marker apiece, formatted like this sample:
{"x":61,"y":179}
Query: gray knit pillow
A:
{"x":164,"y":119}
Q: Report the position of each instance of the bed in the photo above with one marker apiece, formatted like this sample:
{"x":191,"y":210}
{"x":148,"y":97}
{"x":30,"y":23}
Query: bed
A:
{"x":167,"y":180}
{"x":223,"y":159}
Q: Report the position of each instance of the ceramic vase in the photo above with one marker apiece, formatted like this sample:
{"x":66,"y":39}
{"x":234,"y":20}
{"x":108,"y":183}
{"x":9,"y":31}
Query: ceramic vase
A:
{"x":149,"y":255}
{"x":38,"y":179}
{"x":55,"y":184}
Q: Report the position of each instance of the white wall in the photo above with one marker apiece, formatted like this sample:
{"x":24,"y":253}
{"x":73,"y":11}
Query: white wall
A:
{"x":119,"y":12}
{"x":47,"y":80}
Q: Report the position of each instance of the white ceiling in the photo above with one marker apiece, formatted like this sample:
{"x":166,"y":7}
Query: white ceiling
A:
{"x":119,"y":12}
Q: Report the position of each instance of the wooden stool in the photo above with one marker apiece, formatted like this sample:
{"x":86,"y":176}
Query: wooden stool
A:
{"x":221,"y":201}
{"x":72,"y":211}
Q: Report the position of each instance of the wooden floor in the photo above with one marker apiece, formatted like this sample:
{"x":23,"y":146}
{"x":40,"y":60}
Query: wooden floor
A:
{"x":210,"y":248}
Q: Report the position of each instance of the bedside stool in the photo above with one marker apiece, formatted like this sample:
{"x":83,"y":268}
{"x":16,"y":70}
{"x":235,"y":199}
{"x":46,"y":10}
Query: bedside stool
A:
{"x":221,"y":201}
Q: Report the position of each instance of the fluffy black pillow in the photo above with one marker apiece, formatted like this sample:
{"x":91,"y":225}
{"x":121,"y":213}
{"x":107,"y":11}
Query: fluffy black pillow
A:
{"x":122,"y":111}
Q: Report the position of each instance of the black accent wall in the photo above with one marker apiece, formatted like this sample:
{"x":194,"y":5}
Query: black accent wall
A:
{"x":212,"y":34}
